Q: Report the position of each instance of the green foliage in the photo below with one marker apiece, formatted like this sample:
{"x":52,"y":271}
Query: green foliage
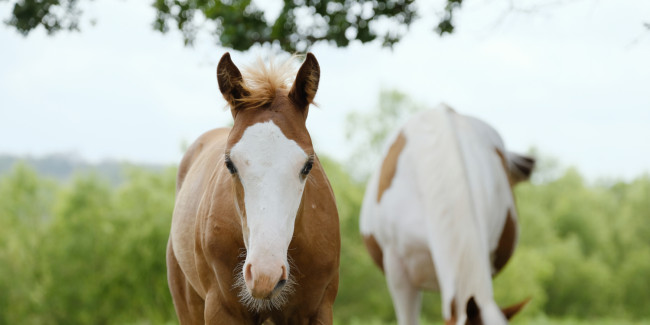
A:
{"x":367,"y":132}
{"x":53,"y":15}
{"x":95,"y":255}
{"x":446,"y":24}
{"x":25,"y":201}
{"x":87,"y":252}
{"x":578,"y":246}
{"x":360,"y":277}
{"x":239,"y":24}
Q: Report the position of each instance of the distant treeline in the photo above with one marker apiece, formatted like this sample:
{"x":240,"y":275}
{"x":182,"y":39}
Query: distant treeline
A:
{"x":86,"y":251}
{"x":63,"y":166}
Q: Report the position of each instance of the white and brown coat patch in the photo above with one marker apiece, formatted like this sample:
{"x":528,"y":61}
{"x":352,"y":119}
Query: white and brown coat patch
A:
{"x":440,"y":214}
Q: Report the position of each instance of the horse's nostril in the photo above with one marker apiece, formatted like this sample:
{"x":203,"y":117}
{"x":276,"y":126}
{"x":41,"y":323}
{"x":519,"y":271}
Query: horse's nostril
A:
{"x":284,"y":273}
{"x":248,"y":272}
{"x":280,"y":284}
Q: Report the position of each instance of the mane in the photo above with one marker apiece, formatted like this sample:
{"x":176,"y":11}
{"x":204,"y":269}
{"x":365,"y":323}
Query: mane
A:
{"x":262,"y":81}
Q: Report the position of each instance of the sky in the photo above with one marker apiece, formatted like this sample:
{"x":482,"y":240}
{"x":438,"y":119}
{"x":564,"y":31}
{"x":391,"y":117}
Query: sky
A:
{"x":571,"y":79}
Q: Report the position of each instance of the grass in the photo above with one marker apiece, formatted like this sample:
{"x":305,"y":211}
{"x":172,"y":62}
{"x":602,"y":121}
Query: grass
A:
{"x":542,"y":320}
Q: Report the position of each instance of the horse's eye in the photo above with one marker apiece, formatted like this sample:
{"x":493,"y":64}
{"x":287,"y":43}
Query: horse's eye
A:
{"x":231,"y":166}
{"x":306,"y":168}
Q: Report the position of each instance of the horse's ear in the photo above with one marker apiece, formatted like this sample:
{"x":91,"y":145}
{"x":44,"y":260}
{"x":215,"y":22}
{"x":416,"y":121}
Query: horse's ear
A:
{"x":521,"y":167}
{"x":230,"y":81}
{"x":473,"y":312}
{"x":511,"y":311}
{"x":304,"y":88}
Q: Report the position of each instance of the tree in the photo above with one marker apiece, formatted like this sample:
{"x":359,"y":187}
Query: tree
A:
{"x":239,"y":24}
{"x":367,"y":131}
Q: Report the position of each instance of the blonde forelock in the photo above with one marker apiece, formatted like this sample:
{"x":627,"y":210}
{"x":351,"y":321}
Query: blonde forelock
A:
{"x":263,"y":80}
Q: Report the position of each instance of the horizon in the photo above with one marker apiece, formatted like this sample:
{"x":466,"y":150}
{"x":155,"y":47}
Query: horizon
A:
{"x":559,"y":80}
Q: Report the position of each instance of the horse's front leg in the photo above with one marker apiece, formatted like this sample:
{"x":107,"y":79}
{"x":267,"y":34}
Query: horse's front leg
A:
{"x":324,"y":315}
{"x":218,"y":312}
{"x":187,"y":303}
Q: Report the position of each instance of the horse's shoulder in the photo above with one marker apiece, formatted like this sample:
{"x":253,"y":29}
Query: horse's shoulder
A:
{"x":207,"y":139}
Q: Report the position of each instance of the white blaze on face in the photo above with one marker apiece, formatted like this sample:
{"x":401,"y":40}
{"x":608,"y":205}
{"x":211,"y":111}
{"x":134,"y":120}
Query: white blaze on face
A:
{"x":268,"y":165}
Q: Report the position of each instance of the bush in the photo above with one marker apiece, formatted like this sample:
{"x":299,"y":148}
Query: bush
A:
{"x":87,"y":252}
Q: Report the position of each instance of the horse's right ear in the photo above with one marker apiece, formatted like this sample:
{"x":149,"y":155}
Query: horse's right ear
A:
{"x":305,"y":86}
{"x":231,"y":82}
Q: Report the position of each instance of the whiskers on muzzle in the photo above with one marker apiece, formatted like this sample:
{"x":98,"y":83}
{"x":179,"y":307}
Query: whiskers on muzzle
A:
{"x":278,"y":297}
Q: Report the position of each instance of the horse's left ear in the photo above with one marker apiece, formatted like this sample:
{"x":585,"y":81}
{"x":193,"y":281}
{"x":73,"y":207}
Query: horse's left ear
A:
{"x":304,"y":88}
{"x":231,"y":82}
{"x":511,"y":311}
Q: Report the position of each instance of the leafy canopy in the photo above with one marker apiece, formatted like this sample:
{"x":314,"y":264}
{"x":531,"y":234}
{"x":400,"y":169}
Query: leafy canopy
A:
{"x":240,"y":24}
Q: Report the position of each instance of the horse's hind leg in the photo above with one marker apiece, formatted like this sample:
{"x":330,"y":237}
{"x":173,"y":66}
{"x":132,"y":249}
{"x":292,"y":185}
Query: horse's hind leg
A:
{"x":188,"y":304}
{"x":407,"y":299}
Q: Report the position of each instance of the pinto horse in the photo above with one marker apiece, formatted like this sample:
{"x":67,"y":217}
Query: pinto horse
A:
{"x":440,"y":215}
{"x":255,"y":230}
